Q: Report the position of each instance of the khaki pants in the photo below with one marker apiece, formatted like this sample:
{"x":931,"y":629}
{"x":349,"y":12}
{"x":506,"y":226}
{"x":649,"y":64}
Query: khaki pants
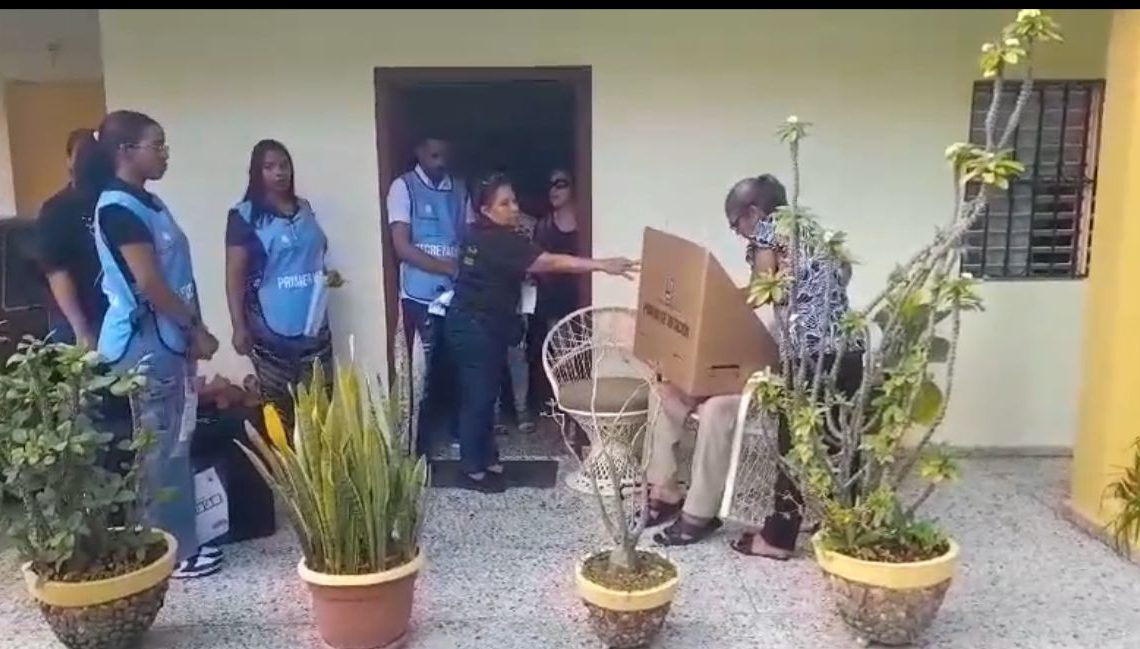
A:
{"x":712,"y":451}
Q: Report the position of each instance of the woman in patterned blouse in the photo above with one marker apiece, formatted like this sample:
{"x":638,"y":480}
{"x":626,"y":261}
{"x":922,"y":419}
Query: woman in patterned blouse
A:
{"x":813,"y":318}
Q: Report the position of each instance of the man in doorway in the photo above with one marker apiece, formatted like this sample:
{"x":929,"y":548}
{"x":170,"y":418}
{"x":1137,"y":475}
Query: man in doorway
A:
{"x":427,"y":211}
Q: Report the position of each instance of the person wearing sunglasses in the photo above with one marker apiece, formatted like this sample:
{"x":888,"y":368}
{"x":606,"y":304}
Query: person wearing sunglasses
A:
{"x":558,"y":295}
{"x":819,"y":307}
{"x":482,"y":318}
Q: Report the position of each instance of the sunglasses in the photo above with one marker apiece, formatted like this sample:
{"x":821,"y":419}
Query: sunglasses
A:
{"x":559,"y":183}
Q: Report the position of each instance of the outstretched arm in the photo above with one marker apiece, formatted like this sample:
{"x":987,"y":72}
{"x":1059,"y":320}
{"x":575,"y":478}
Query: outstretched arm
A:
{"x":569,"y":264}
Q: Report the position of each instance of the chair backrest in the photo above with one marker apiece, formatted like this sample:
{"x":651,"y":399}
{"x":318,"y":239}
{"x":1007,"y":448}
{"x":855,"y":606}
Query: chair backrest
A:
{"x":591,"y":342}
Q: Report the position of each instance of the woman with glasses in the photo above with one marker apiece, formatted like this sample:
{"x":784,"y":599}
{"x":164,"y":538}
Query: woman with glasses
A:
{"x":275,"y":256}
{"x":153,"y":321}
{"x":558,"y":295}
{"x":483,"y":318}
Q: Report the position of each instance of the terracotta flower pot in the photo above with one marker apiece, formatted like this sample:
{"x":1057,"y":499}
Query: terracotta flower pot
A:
{"x":364,"y":611}
{"x":625,"y":619}
{"x":105,"y":613}
{"x":887,"y":603}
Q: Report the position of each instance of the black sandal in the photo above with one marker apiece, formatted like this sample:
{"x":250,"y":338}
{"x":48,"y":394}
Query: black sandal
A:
{"x":682,"y":532}
{"x":743,"y":545}
{"x":661,"y":512}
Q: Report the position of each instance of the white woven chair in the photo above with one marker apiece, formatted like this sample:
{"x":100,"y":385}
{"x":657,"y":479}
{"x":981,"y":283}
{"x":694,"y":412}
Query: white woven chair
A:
{"x":749,"y":492}
{"x":597,"y":382}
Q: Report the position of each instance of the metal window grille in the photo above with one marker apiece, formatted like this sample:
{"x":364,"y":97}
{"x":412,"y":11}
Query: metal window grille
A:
{"x":1040,"y":226}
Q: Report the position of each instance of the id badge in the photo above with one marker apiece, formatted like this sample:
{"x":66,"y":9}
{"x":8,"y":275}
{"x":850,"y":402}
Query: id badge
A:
{"x":189,"y":408}
{"x":529,"y":298}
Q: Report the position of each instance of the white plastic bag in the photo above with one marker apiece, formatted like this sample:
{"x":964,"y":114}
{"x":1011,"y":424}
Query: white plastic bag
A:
{"x":211,"y":505}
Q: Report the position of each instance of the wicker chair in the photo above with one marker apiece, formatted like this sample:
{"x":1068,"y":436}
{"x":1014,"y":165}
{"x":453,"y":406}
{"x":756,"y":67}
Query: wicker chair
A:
{"x":749,"y":496}
{"x":601,"y":386}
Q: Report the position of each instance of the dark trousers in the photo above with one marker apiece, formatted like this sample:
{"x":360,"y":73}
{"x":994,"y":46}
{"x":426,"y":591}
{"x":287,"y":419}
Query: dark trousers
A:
{"x":781,"y":529}
{"x":478,"y":354}
{"x":436,"y":413}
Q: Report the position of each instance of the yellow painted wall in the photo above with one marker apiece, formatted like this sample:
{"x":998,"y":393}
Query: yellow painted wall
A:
{"x":685,"y":104}
{"x":7,"y":188}
{"x":1110,"y":395}
{"x":40,"y":116}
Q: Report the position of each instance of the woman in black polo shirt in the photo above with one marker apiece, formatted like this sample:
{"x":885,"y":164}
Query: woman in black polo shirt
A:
{"x":483,"y":316}
{"x":66,"y":254}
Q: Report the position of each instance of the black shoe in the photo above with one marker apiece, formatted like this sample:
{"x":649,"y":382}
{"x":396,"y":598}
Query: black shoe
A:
{"x":489,"y":484}
{"x":498,"y":479}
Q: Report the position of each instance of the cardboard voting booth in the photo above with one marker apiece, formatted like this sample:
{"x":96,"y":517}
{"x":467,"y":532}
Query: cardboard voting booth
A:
{"x":694,"y":325}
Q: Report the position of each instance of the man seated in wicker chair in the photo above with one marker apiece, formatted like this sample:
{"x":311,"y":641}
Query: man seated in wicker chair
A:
{"x":820,"y":306}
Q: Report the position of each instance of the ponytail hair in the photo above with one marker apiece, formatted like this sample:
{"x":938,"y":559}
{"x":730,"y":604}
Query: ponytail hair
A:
{"x":95,"y":159}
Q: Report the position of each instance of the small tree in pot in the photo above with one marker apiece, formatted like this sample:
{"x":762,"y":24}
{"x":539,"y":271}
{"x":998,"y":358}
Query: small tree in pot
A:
{"x":627,"y":591}
{"x":97,"y":571}
{"x":355,"y":496}
{"x":888,"y":568}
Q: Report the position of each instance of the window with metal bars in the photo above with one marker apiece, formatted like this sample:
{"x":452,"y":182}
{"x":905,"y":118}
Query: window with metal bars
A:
{"x":1040,"y":226}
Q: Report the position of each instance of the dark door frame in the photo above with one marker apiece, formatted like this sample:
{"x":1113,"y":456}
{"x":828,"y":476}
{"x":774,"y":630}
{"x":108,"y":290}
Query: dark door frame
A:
{"x":392,"y":144}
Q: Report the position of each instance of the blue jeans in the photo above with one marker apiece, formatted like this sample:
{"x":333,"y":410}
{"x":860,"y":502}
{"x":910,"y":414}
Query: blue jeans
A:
{"x":436,"y":410}
{"x":167,"y":479}
{"x":478,"y":355}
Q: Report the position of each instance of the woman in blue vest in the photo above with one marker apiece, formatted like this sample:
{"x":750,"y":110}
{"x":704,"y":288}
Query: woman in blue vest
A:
{"x":482,"y":320}
{"x":152,"y":320}
{"x":275,"y":256}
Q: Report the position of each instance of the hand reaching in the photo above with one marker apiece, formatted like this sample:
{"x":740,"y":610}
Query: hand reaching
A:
{"x":620,"y":266}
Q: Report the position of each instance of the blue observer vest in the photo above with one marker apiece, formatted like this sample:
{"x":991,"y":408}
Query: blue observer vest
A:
{"x":126,"y":306}
{"x":294,"y":255}
{"x":437,"y":217}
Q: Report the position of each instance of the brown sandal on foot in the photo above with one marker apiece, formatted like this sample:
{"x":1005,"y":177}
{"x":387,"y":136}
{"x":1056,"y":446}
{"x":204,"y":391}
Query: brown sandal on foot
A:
{"x":743,"y":545}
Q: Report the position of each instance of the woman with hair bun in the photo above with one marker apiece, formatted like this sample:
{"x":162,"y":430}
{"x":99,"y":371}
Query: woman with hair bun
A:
{"x":483,"y":318}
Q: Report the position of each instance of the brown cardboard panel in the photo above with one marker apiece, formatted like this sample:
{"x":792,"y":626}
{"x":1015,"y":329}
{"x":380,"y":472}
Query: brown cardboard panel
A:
{"x":694,"y":326}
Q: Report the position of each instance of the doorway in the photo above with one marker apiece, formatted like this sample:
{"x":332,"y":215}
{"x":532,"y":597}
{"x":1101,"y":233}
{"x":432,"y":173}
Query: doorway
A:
{"x":525,"y":121}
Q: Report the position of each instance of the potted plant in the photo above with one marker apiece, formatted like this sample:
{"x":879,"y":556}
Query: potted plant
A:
{"x":1123,"y":494}
{"x":853,"y":452}
{"x":627,"y":591}
{"x":98,"y":573}
{"x":354,"y":494}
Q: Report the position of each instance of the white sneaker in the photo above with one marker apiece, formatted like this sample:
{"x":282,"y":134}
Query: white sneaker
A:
{"x":210,"y":552}
{"x":196,"y":567}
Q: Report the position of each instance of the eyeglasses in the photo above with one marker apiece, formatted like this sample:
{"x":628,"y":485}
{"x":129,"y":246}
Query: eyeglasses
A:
{"x":157,"y":148}
{"x":559,"y":183}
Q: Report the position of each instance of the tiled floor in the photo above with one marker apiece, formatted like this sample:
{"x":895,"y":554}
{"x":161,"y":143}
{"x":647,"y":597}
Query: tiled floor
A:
{"x":499,"y":578}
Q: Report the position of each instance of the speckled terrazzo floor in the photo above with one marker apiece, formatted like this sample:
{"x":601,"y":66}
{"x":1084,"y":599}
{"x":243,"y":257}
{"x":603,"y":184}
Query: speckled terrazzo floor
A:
{"x":499,"y":578}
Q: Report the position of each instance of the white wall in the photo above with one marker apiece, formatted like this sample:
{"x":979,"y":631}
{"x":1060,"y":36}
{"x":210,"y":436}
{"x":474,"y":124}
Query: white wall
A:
{"x":685,"y":103}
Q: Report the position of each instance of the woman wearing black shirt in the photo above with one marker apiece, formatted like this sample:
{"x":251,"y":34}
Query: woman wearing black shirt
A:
{"x":557,"y":294}
{"x":66,"y":251}
{"x":483,"y":315}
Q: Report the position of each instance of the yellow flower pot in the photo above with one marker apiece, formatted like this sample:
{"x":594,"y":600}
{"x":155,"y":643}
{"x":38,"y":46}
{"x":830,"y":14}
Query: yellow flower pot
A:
{"x":112,"y":612}
{"x":887,"y":603}
{"x":624,"y":619}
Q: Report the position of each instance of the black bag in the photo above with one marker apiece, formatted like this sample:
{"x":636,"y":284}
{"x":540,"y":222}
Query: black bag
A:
{"x":252,"y":514}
